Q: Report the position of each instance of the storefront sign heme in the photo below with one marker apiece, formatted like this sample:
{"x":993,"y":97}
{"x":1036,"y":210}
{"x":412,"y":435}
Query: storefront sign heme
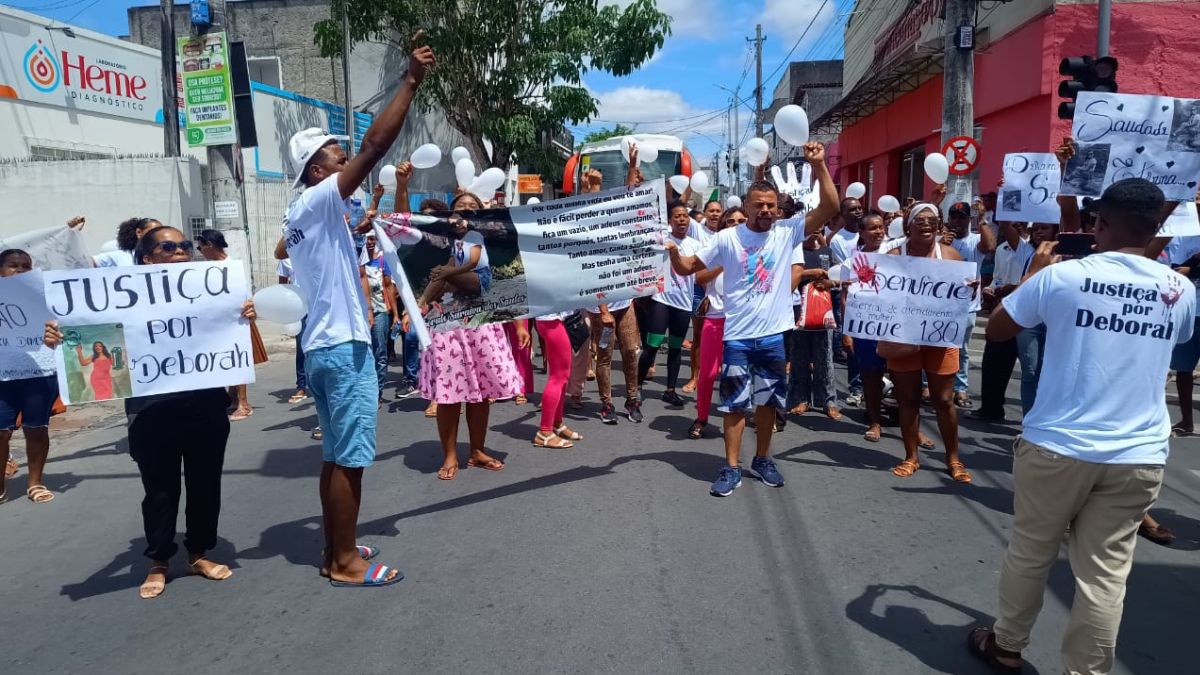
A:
{"x":77,"y":73}
{"x":905,"y":31}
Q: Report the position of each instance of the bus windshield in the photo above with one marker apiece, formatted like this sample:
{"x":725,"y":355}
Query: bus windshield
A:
{"x":612,"y":165}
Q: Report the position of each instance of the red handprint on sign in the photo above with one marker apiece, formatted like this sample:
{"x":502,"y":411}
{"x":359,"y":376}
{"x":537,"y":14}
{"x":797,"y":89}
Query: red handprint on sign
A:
{"x":864,"y":271}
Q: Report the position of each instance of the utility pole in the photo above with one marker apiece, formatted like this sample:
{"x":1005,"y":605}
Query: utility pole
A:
{"x":1104,"y":28}
{"x":224,"y":183}
{"x":729,"y":172}
{"x":958,"y":90}
{"x":758,"y":110}
{"x":170,"y":95}
{"x":737,"y":129}
{"x":346,"y":78}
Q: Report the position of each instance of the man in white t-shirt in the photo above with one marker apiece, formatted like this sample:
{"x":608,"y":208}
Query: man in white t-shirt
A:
{"x":973,"y":247}
{"x":1092,"y":452}
{"x":339,"y":365}
{"x":757,"y":262}
{"x":999,"y":357}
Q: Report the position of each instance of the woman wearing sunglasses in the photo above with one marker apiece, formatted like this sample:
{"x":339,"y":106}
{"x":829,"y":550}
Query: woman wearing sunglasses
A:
{"x":165,"y":430}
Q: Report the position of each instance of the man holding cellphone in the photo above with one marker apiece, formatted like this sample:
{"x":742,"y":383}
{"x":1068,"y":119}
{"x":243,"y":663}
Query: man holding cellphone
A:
{"x":1093,"y":448}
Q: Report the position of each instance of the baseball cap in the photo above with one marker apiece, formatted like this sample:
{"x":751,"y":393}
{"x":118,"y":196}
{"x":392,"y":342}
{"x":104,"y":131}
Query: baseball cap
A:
{"x":1131,"y":196}
{"x":960,"y":209}
{"x":304,"y":144}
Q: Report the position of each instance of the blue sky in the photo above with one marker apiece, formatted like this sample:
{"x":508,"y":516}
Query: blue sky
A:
{"x":676,"y":92}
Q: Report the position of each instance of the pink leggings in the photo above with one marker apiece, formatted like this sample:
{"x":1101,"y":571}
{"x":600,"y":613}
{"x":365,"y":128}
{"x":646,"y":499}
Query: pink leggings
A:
{"x":712,"y":345}
{"x":557,"y":347}
{"x":523,"y":356}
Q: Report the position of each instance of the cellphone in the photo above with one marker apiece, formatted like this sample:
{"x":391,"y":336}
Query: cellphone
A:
{"x":1075,"y":244}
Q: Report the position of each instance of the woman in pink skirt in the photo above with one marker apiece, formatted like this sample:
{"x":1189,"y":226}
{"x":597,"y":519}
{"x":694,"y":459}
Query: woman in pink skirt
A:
{"x":469,"y":365}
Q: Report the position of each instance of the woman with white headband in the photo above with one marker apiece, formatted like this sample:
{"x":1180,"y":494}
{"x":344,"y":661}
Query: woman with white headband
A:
{"x":923,"y":227}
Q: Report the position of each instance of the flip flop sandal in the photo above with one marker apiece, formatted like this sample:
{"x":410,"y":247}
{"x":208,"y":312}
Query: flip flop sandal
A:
{"x":1179,"y":431}
{"x":551,"y":440}
{"x":238,"y":417}
{"x":958,"y":471}
{"x":799,"y":409}
{"x":39,"y":494}
{"x":152,"y":589}
{"x":520,"y":399}
{"x":444,"y":474}
{"x":1160,"y":535}
{"x":296,"y":398}
{"x":697,"y":429}
{"x":11,"y":468}
{"x":689,"y":388}
{"x":566,"y":433}
{"x":963,"y":401}
{"x":872,"y":436}
{"x":834,"y":414}
{"x":905,"y":469}
{"x":987,"y":650}
{"x":489,"y":464}
{"x":214,"y":573}
{"x":376,"y":575}
{"x":367,"y":552}
{"x":431,"y":411}
{"x":926,"y":444}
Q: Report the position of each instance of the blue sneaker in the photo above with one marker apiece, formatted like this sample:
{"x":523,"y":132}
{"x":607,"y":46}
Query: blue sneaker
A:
{"x":764,"y":469}
{"x":727,"y":481}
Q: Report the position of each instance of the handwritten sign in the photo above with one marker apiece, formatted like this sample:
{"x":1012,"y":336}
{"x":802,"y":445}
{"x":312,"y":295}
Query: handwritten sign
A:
{"x":52,"y":248}
{"x":916,"y":301}
{"x":23,"y":316}
{"x":150,"y":329}
{"x":1030,"y":191}
{"x":1123,"y":136}
{"x":537,"y":259}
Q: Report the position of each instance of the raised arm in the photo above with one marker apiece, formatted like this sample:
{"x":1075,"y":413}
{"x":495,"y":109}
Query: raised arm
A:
{"x":684,"y":265}
{"x":987,"y":237}
{"x":827,"y":208}
{"x":380,"y":136}
{"x":1068,"y":207}
{"x":403,"y":173}
{"x":634,"y":175}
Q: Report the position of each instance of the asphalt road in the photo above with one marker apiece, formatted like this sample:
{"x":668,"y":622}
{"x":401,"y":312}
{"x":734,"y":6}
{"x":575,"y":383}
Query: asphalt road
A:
{"x":610,"y":557}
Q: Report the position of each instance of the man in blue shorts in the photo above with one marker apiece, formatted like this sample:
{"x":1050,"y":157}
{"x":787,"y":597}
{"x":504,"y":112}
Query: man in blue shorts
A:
{"x":757,"y":260}
{"x":339,"y":365}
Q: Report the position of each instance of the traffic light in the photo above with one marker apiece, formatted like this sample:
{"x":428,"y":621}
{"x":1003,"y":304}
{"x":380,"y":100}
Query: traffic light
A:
{"x":1086,"y":74}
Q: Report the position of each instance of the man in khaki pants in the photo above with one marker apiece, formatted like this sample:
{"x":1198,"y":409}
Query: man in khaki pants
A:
{"x":1093,"y":447}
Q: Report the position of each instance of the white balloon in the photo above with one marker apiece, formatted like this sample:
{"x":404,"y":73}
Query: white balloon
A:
{"x":490,"y":180}
{"x":534,"y":200}
{"x":791,"y":123}
{"x":464,"y":171}
{"x":625,"y":143}
{"x":647,"y":154}
{"x":110,"y":246}
{"x":937,"y":168}
{"x":889,"y":204}
{"x":733,"y":201}
{"x":293,"y":329}
{"x":280,"y":303}
{"x":679,"y":183}
{"x":387,"y":176}
{"x":699,"y":182}
{"x":896,"y":228}
{"x":756,"y":151}
{"x":856,"y":191}
{"x":835,"y":273}
{"x":459,"y":153}
{"x":426,"y":157}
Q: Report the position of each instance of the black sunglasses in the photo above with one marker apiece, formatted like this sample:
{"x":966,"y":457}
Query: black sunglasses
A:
{"x":170,"y":247}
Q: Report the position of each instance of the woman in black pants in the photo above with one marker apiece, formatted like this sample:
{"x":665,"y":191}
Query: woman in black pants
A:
{"x":669,"y":313}
{"x":165,"y":430}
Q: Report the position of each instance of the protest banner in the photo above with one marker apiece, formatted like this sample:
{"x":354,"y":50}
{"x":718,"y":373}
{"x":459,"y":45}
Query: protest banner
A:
{"x":1030,"y":190}
{"x":1183,"y":222}
{"x":150,"y":329}
{"x":536,"y":259}
{"x":23,"y":316}
{"x":1121,"y":136}
{"x":52,"y":248}
{"x":916,"y":301}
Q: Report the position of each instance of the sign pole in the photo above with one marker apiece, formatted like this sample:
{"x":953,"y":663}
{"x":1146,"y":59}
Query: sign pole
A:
{"x":170,"y":95}
{"x":958,"y":101}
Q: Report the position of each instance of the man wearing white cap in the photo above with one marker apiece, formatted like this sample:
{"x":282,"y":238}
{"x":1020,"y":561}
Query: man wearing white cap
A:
{"x":339,"y":364}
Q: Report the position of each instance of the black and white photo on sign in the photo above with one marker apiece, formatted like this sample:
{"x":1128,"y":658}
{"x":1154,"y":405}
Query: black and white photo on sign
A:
{"x":1011,"y":200}
{"x":1185,"y":126}
{"x":1085,"y":172}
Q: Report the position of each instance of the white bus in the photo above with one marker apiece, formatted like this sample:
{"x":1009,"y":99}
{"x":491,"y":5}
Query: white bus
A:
{"x":605,"y":156}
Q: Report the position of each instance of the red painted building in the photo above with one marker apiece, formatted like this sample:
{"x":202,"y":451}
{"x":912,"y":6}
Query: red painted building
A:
{"x":891,"y":111}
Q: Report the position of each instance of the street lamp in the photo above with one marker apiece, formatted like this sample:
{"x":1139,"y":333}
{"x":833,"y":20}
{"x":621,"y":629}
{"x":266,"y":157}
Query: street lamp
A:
{"x":66,"y":30}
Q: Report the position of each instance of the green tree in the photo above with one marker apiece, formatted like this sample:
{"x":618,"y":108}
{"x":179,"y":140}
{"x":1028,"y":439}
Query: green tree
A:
{"x":605,"y":134}
{"x":508,"y":70}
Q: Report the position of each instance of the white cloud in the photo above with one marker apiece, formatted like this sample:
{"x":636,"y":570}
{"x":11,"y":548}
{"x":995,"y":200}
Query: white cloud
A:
{"x":787,"y":19}
{"x":689,"y":18}
{"x":658,"y":111}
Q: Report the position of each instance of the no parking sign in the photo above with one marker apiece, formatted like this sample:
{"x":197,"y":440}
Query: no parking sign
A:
{"x":962,"y":153}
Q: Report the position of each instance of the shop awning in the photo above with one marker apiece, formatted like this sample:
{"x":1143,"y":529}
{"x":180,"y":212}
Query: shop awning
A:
{"x":878,"y":89}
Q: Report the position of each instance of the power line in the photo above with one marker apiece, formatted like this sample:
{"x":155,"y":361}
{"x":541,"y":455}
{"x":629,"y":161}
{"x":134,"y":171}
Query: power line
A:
{"x":800,"y":39}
